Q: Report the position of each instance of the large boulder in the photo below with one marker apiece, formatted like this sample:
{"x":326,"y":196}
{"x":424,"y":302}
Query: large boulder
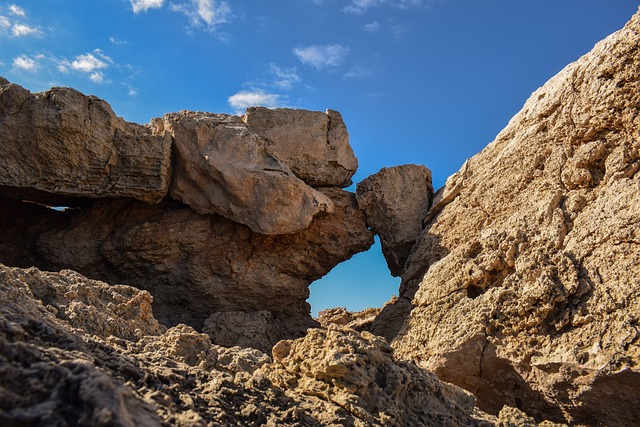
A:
{"x":528,"y":291}
{"x":313,"y":144}
{"x":223,"y":167}
{"x":62,"y":147}
{"x":395,"y":201}
{"x":194,"y":265}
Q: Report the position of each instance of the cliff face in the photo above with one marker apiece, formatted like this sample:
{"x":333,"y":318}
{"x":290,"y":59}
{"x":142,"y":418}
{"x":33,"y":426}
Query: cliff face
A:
{"x":525,"y":281}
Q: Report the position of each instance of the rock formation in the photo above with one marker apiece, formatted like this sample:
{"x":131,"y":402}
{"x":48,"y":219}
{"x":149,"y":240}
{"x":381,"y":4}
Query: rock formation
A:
{"x":61,"y":147}
{"x":396,"y":201}
{"x":222,"y":166}
{"x":194,"y":265}
{"x":526,"y":280}
{"x":314,"y":145}
{"x":59,"y":369}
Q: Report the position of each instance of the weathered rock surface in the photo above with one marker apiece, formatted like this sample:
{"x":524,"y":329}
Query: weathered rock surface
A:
{"x":194,"y":265}
{"x":396,"y":201}
{"x":313,"y":144}
{"x":222,"y":166}
{"x":54,"y":373}
{"x":61,"y":147}
{"x":528,"y":292}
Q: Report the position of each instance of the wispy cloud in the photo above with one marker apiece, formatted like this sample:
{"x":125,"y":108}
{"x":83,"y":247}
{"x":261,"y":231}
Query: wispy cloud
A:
{"x":17,"y":11}
{"x":285,"y":78}
{"x":204,"y":13}
{"x":321,"y":56}
{"x":4,"y":23}
{"x":23,"y":62}
{"x":98,"y":77}
{"x":360,"y":72}
{"x":117,"y":41}
{"x":21,"y":30}
{"x":253,"y":98}
{"x":144,"y":5}
{"x":361,"y":6}
{"x":372,"y":27}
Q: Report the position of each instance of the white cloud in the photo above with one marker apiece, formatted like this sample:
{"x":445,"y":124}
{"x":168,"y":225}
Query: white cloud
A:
{"x":20,"y":30}
{"x":16,"y":10}
{"x":144,"y":5}
{"x":88,"y":63}
{"x":320,"y":57}
{"x":285,"y":77}
{"x":244,"y":99}
{"x":361,"y":6}
{"x":97,"y":77}
{"x":372,"y":27}
{"x":117,"y":41}
{"x":360,"y":72}
{"x":132,"y":91}
{"x":208,"y":13}
{"x":25,"y":63}
{"x":4,"y":23}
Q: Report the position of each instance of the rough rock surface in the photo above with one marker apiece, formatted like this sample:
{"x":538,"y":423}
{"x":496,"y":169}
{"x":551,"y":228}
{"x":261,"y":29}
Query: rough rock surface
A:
{"x":395,"y":201}
{"x":528,"y":291}
{"x":360,"y":320}
{"x":224,"y":167}
{"x":194,"y":265}
{"x":54,"y":373}
{"x":61,"y":147}
{"x":313,"y":144}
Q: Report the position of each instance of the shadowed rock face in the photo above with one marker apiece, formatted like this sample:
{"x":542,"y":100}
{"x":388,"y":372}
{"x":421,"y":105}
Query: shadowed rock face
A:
{"x":525,"y":277}
{"x":396,"y":201}
{"x":62,"y":147}
{"x":194,"y":265}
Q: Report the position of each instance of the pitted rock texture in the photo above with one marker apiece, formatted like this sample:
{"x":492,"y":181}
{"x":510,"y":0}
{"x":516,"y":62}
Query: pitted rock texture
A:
{"x":61,"y":147}
{"x":222,"y":166}
{"x":396,"y":201}
{"x":193,"y":265}
{"x":56,"y":374}
{"x":528,"y":292}
{"x":313,"y":144}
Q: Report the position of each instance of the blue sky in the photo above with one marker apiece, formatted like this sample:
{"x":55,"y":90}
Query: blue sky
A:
{"x":417,"y":81}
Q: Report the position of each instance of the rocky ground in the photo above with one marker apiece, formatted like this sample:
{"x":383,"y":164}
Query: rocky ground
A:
{"x":172,"y":289}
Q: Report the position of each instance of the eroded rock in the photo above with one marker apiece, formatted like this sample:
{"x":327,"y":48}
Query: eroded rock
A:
{"x":313,"y":144}
{"x":526,"y":274}
{"x":195,"y":265}
{"x":396,"y":201}
{"x":224,"y":167}
{"x":56,"y":374}
{"x":61,"y":147}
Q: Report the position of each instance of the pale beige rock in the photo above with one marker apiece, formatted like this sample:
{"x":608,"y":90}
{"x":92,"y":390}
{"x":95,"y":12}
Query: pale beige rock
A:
{"x":223,"y":167}
{"x":60,"y":147}
{"x":313,"y":144}
{"x":193,"y":265}
{"x":395,"y":201}
{"x":340,"y":316}
{"x":56,"y":374}
{"x":528,"y":291}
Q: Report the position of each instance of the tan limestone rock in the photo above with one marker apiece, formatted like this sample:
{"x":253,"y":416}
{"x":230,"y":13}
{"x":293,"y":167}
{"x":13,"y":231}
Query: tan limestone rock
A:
{"x":223,"y":167}
{"x":395,"y":201}
{"x":313,"y":144}
{"x":56,"y":374}
{"x":196,"y":265}
{"x":528,"y":293}
{"x":61,"y":147}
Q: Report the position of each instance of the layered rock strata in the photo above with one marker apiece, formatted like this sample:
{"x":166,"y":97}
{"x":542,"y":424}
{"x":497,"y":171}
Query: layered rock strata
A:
{"x":526,"y":274}
{"x":253,"y":286}
{"x":61,"y":147}
{"x":58,"y":368}
{"x":395,"y":201}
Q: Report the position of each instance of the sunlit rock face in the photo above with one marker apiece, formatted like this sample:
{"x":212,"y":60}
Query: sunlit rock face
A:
{"x":526,"y":282}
